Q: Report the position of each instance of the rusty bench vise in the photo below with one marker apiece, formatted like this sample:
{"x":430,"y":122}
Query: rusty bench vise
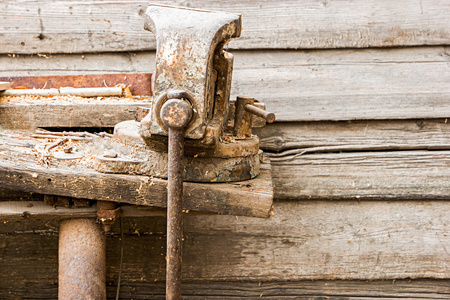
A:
{"x":192,"y":131}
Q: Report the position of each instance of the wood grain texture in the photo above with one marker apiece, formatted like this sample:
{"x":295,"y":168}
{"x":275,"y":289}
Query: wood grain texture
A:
{"x":307,"y":290}
{"x":390,"y":134}
{"x":347,"y":85}
{"x":397,"y":175}
{"x":405,"y":83}
{"x":30,"y":210}
{"x":17,"y":210}
{"x":20,"y":171}
{"x":312,"y":290}
{"x":34,"y":115}
{"x":102,"y":26}
{"x":319,"y":240}
{"x":363,"y":175}
{"x":80,"y":113}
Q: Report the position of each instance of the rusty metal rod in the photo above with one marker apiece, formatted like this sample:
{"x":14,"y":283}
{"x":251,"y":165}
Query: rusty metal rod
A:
{"x":82,"y":260}
{"x":270,"y":117}
{"x":174,"y":213}
{"x":175,"y":114}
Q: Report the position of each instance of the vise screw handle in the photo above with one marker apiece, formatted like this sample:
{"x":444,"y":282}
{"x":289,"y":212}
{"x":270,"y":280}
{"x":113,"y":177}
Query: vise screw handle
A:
{"x":243,"y":116}
{"x":175,"y":114}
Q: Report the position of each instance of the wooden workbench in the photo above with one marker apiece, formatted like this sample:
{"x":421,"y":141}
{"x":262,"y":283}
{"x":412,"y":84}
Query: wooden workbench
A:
{"x":361,"y":93}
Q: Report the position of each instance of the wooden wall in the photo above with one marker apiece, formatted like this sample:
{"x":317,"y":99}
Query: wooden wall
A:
{"x":360,"y":151}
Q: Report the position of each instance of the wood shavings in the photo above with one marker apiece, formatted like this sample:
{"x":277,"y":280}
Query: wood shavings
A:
{"x":43,"y":155}
{"x":125,"y":90}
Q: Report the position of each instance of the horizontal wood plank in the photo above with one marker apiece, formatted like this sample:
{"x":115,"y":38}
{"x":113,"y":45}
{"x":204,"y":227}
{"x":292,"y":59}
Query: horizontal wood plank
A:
{"x":399,"y":175}
{"x":318,"y":240}
{"x":29,"y":210}
{"x":44,"y":26}
{"x":387,"y":134}
{"x":46,"y":113}
{"x":54,"y":114}
{"x":17,"y":210}
{"x":310,"y":290}
{"x":21,"y":171}
{"x":347,"y":85}
{"x":335,"y":85}
{"x":363,"y":175}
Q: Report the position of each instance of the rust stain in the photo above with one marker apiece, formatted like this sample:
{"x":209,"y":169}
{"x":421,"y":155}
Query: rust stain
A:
{"x":140,"y":83}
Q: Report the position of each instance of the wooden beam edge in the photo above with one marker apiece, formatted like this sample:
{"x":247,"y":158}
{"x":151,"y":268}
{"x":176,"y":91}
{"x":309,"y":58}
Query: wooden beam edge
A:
{"x":224,"y":198}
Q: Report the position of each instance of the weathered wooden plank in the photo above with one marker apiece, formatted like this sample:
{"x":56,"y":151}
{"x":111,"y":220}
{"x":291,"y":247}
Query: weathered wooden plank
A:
{"x":17,"y":210}
{"x":95,"y":26}
{"x":21,"y":210}
{"x":319,"y":240}
{"x":362,"y":241}
{"x":397,"y":175}
{"x":311,"y":290}
{"x":399,"y":134}
{"x":363,"y":175}
{"x":66,"y":114}
{"x":390,"y":134}
{"x":20,"y":170}
{"x":347,"y":85}
{"x":43,"y":112}
{"x":139,"y":190}
{"x":404,"y":83}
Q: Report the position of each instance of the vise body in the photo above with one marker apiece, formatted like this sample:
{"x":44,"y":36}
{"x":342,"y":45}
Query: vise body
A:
{"x":193,"y":67}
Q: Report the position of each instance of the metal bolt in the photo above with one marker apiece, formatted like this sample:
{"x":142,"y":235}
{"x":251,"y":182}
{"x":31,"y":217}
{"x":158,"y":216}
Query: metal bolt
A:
{"x":107,"y":213}
{"x":176,"y":113}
